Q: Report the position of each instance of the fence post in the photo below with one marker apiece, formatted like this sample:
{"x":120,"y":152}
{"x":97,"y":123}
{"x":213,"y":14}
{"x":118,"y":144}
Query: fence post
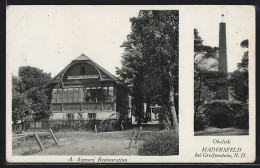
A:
{"x":38,"y":141}
{"x":133,"y":135}
{"x":138,"y":136}
{"x":122,"y":127}
{"x":34,"y":126}
{"x":23,"y":144}
{"x":95,"y":128}
{"x":30,"y":148}
{"x":53,"y":136}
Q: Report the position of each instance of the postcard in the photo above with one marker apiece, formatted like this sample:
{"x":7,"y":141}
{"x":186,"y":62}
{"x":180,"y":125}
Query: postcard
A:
{"x":130,"y":84}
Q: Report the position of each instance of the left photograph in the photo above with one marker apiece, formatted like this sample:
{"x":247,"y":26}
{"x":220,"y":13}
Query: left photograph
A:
{"x":93,"y":80}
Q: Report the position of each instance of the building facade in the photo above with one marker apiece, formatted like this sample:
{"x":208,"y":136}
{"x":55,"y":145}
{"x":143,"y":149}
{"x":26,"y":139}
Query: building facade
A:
{"x":85,"y":90}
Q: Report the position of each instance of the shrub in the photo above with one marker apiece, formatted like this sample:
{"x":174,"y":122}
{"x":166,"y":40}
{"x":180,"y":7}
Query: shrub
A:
{"x":241,"y":117}
{"x":160,"y":143}
{"x":200,"y":122}
{"x":164,"y":119}
{"x":224,"y":113}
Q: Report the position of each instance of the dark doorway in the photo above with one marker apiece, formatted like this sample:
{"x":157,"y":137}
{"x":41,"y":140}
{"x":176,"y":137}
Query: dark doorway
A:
{"x":221,"y":120}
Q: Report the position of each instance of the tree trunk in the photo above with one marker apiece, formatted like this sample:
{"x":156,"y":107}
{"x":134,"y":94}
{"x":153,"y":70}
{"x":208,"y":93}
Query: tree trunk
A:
{"x":199,"y":101}
{"x":140,"y":112}
{"x":172,"y":109}
{"x":148,"y":109}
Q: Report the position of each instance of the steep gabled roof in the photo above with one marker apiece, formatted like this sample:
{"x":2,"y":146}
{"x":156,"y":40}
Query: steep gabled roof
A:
{"x":83,"y":57}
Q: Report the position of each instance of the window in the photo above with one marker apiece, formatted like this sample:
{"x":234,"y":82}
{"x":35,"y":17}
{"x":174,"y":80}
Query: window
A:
{"x":93,"y":94}
{"x":97,"y":94}
{"x":70,"y":95}
{"x":92,"y":116}
{"x":108,"y":94}
{"x":81,"y":95}
{"x":54,"y":96}
{"x":59,"y":96}
{"x":70,"y":116}
{"x":76,"y":95}
{"x":82,"y":71}
{"x":65,"y":95}
{"x":87,"y":95}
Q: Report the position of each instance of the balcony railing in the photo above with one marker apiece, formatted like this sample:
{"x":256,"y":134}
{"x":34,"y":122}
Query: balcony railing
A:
{"x":82,"y":106}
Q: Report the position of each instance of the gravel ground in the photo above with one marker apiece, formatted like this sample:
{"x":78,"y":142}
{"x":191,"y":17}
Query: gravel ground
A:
{"x":211,"y":131}
{"x":85,"y":143}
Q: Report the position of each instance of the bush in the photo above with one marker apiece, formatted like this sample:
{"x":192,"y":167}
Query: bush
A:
{"x":200,"y":122}
{"x":224,"y":113}
{"x":160,"y":144}
{"x":241,"y":117}
{"x":164,"y":119}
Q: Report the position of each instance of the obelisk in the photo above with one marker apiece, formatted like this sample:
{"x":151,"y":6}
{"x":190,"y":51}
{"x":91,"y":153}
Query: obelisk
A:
{"x":222,"y":91}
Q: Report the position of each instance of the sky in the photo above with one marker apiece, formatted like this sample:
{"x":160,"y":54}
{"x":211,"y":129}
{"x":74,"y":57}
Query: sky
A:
{"x":238,"y":28}
{"x":50,"y":37}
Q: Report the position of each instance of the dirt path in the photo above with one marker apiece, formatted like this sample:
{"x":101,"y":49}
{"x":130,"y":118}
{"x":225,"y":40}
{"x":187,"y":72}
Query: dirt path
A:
{"x":76,"y":143}
{"x":93,"y":144}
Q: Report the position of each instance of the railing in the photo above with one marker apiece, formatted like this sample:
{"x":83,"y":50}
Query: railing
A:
{"x":82,"y":106}
{"x":16,"y":128}
{"x":72,"y":125}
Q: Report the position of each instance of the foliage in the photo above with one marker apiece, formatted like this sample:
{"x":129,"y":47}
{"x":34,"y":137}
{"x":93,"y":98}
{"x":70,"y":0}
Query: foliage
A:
{"x":41,"y":102}
{"x":200,"y":122}
{"x":125,"y":121}
{"x":201,"y":49}
{"x":220,"y":113}
{"x":28,"y":93}
{"x":238,"y":80}
{"x":238,"y":84}
{"x":241,"y":117}
{"x":160,"y":144}
{"x":150,"y":62}
{"x":30,"y":77}
{"x":164,"y":118}
{"x":234,"y":112}
{"x":205,"y":80}
{"x":244,"y":44}
{"x":21,"y":106}
{"x":243,"y":65}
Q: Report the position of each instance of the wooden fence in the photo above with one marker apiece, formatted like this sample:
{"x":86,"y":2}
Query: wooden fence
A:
{"x":69,"y":125}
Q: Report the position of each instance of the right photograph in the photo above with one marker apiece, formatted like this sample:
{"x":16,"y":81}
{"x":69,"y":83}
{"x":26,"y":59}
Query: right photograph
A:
{"x":220,"y":79}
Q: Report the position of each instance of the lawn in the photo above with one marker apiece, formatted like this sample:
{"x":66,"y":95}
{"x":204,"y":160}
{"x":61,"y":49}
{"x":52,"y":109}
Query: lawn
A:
{"x":212,"y":131}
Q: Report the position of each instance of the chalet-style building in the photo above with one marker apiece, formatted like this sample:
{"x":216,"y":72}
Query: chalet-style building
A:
{"x":85,"y":90}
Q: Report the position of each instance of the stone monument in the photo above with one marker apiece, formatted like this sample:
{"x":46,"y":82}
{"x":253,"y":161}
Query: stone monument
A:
{"x":222,"y":91}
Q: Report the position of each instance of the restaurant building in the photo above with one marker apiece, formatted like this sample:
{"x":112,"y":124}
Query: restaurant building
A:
{"x":85,"y":90}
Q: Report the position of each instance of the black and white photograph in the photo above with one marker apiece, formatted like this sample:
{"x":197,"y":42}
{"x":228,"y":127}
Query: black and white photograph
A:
{"x":93,"y":80}
{"x":221,"y":93}
{"x":126,"y":84}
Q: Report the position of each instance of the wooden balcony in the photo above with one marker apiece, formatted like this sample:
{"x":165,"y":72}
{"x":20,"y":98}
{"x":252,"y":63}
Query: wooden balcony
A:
{"x":58,"y":107}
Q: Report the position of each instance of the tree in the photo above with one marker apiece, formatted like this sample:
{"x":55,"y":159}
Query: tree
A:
{"x":21,"y":106}
{"x":238,"y":80}
{"x":238,"y":84}
{"x":150,"y":62}
{"x":205,"y":78}
{"x":40,"y":99}
{"x":243,"y":65}
{"x":29,"y":94}
{"x":30,"y":77}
